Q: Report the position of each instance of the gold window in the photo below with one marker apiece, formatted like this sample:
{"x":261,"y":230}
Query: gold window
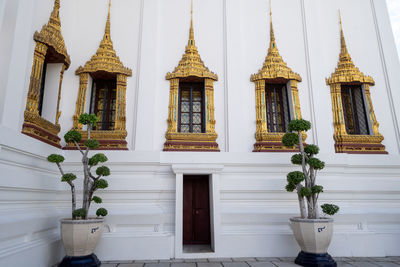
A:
{"x":277,"y":100}
{"x":49,"y":48}
{"x":355,"y":125}
{"x":191,"y":122}
{"x":107,"y":95}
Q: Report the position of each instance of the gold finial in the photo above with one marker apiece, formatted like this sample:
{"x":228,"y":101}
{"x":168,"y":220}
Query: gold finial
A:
{"x":191,"y":32}
{"x":272,"y":34}
{"x":107,"y":32}
{"x":55,"y":14}
{"x":342,"y":40}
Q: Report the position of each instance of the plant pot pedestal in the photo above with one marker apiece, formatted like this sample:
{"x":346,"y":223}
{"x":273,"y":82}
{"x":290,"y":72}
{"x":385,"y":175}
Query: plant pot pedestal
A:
{"x":315,"y":260}
{"x":80,"y":238}
{"x":313,"y":237}
{"x":83,"y":261}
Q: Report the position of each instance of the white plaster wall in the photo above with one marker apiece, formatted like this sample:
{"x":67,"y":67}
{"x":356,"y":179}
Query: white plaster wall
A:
{"x":232,"y":37}
{"x":50,"y":96}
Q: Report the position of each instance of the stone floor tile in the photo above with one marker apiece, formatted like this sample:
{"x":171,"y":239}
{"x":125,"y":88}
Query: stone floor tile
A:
{"x":355,"y":259}
{"x":268,"y":259}
{"x":195,"y":260}
{"x":341,"y":258}
{"x":261,"y":264}
{"x":380,"y":259}
{"x":363,"y":264}
{"x":291,"y":259}
{"x":146,"y":261}
{"x":285,"y":264}
{"x":109,"y":264}
{"x":219,"y":259}
{"x":244,"y":259}
{"x":209,"y":264}
{"x":164,"y":264}
{"x":343,"y":264}
{"x":183,"y":264}
{"x":387,"y":264}
{"x":235,"y":264}
{"x":171,"y":260}
{"x":130,"y":265}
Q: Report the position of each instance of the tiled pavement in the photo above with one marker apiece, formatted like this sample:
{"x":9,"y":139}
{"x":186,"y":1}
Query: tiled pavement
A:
{"x":252,"y":262}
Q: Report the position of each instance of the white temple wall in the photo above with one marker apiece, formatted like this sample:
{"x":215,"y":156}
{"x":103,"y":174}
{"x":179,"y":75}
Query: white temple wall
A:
{"x":232,"y":38}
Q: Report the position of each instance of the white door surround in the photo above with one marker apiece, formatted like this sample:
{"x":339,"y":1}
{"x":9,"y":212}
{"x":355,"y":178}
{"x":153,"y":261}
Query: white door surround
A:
{"x":197,"y":169}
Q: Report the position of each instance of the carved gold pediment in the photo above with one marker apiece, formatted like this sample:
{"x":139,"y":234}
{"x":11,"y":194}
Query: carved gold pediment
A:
{"x":106,"y":58}
{"x":191,"y":63}
{"x":346,"y":71}
{"x":50,"y":34}
{"x":274,"y":67}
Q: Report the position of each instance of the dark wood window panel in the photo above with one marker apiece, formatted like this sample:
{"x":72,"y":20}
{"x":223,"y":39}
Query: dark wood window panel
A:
{"x":277,"y":108}
{"x":191,"y":107}
{"x":355,"y":115}
{"x":103,"y":103}
{"x":41,"y":92}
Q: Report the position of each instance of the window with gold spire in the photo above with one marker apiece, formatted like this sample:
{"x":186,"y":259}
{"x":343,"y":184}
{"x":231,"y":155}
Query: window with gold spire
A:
{"x":50,"y":48}
{"x":191,"y":122}
{"x":107,"y":95}
{"x":355,"y":125}
{"x":277,"y":99}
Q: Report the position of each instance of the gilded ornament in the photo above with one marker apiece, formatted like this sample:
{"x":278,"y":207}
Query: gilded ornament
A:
{"x":105,"y":60}
{"x":347,"y":73}
{"x":48,"y":39}
{"x":274,"y":69}
{"x":191,"y":65}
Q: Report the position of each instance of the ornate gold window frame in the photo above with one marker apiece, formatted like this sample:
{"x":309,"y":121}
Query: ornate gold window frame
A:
{"x":48,"y":40}
{"x":105,"y":61}
{"x":347,"y":73}
{"x":191,"y":67}
{"x":274,"y":70}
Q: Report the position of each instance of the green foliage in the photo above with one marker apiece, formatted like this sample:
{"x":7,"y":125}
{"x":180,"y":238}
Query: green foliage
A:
{"x":91,"y":143}
{"x":97,"y":199}
{"x":101,"y":212}
{"x":316,"y":189}
{"x":330,"y":209}
{"x":290,"y":139}
{"x":311,"y":149}
{"x":54,"y":158}
{"x":290,"y":187}
{"x":97,"y":158}
{"x":68,"y":177}
{"x":79,"y":214}
{"x":299,"y":125}
{"x":103,"y":171}
{"x":297,"y":159}
{"x":101,"y":183}
{"x":87,"y":119}
{"x":305,"y":192}
{"x":72,"y":136}
{"x":295,"y":177}
{"x":316,"y":163}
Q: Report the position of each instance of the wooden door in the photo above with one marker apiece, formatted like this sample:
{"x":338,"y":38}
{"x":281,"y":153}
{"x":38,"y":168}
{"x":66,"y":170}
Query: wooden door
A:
{"x":196,"y":210}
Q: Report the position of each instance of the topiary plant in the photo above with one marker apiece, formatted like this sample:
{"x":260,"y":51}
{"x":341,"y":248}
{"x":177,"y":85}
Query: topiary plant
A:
{"x":304,"y":181}
{"x":91,"y":182}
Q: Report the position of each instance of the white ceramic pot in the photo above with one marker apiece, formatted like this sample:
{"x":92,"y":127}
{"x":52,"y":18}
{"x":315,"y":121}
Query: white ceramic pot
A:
{"x":313,"y":235}
{"x":80,"y":237}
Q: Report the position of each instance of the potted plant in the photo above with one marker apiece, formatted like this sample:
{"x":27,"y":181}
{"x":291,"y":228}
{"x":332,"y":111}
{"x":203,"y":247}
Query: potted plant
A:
{"x":312,"y":233}
{"x":81,"y":233}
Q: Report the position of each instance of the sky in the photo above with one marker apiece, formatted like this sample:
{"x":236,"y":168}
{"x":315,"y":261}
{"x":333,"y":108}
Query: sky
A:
{"x":394,"y":12}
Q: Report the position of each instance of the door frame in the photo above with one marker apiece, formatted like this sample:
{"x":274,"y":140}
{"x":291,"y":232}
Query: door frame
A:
{"x":215,"y":219}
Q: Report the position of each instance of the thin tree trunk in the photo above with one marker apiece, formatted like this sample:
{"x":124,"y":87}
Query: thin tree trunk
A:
{"x":72,"y":191}
{"x":303,"y":212}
